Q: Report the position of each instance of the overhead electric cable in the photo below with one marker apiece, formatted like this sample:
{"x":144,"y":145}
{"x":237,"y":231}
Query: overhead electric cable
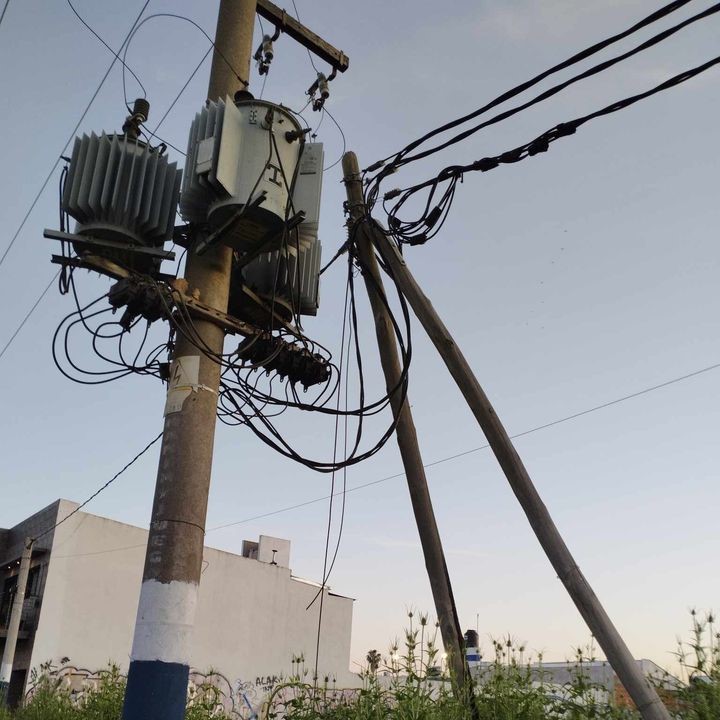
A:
{"x":442,"y":460}
{"x":535,"y":429}
{"x":29,"y":313}
{"x":100,"y":489}
{"x":71,"y":138}
{"x":4,"y":10}
{"x":577,"y":57}
{"x":600,"y":67}
{"x":177,"y":16}
{"x":412,"y":231}
{"x":117,"y":57}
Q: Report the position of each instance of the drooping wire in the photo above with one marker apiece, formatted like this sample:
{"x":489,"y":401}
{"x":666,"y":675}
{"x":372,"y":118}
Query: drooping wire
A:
{"x":427,"y":224}
{"x":327,"y":570}
{"x":116,"y":55}
{"x":342,"y":134}
{"x":321,"y":591}
{"x":177,"y":16}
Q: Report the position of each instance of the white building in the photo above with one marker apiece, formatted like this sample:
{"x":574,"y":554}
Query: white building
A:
{"x":83,"y":591}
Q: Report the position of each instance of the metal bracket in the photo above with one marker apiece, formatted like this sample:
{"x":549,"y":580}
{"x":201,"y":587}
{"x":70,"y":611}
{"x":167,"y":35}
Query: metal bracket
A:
{"x":297,"y":31}
{"x":93,"y":242}
{"x":269,"y":239}
{"x":204,"y":245}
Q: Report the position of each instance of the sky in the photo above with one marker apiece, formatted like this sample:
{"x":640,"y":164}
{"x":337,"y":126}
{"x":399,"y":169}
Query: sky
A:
{"x":569,"y":280}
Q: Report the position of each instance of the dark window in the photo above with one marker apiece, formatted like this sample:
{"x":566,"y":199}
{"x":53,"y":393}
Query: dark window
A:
{"x":8,"y":593}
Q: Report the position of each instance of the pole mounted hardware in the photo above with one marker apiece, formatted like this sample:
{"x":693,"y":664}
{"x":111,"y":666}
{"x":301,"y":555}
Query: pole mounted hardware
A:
{"x":321,"y":87}
{"x":306,"y":37}
{"x":264,"y":54}
{"x":139,"y":115}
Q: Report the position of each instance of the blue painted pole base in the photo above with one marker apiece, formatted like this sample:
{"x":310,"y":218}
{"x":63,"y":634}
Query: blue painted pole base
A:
{"x":156,"y":691}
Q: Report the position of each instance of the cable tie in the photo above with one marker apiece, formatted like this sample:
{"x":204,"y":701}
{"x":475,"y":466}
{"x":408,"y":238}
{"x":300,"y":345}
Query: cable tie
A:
{"x":564,"y":129}
{"x":433,"y":216}
{"x":374,"y":166}
{"x":420,"y":239}
{"x":511,"y":156}
{"x":485,"y":164}
{"x":540,"y":145}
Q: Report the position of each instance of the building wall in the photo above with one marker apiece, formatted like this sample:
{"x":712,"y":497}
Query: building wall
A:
{"x":251,"y":616}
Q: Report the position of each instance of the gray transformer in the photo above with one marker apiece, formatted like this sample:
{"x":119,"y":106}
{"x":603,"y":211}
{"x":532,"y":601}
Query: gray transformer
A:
{"x":248,"y":172}
{"x":121,"y":190}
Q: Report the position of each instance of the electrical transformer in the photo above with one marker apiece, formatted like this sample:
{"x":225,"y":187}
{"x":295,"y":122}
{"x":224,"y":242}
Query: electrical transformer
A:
{"x":251,"y":177}
{"x":122,"y":191}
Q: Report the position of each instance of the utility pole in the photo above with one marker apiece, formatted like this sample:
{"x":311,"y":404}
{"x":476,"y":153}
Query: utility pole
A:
{"x":160,"y":659}
{"x":15,"y":618}
{"x":405,"y":429}
{"x":640,"y":690}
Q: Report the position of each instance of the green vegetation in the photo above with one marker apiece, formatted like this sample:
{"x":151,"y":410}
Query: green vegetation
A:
{"x":409,"y":684}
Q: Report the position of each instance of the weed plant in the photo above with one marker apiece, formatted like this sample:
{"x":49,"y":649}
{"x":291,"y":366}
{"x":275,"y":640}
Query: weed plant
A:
{"x":410,"y":683}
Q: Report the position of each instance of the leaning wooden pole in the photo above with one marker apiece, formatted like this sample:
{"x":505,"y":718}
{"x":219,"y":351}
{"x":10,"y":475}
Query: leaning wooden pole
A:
{"x":405,"y":430}
{"x":640,"y":690}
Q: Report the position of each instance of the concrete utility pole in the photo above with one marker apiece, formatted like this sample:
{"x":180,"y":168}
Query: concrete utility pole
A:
{"x":640,"y":690}
{"x":15,"y":618}
{"x":159,"y":666}
{"x":405,"y":429}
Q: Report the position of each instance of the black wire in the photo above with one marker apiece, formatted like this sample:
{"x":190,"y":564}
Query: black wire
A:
{"x":342,"y":134}
{"x":327,"y":571}
{"x":29,"y":313}
{"x":242,"y":81}
{"x":4,"y":10}
{"x":656,"y":39}
{"x":100,"y":489}
{"x":117,"y":57}
{"x":403,"y":231}
{"x":515,"y":436}
{"x":312,"y":62}
{"x":153,"y":133}
{"x":577,"y":57}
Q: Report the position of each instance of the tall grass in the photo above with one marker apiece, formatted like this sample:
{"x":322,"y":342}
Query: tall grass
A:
{"x":410,"y":683}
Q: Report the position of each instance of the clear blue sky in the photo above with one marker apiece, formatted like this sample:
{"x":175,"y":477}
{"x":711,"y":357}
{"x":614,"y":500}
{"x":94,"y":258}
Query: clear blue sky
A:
{"x":569,"y":280}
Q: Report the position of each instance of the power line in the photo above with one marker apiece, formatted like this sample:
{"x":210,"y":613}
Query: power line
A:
{"x":415,"y":232}
{"x":30,"y":312}
{"x":100,"y":489}
{"x":440,"y":461}
{"x":577,"y":57}
{"x":595,"y":70}
{"x":535,"y":429}
{"x":5,"y":7}
{"x":152,"y":134}
{"x":70,"y":139}
{"x":117,"y":56}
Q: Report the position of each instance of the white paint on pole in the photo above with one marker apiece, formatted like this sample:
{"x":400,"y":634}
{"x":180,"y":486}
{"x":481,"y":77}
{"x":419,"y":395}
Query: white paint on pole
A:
{"x":164,"y":625}
{"x":5,"y":672}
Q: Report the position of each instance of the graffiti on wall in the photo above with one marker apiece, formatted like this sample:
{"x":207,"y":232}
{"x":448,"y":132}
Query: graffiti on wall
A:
{"x":268,"y":695}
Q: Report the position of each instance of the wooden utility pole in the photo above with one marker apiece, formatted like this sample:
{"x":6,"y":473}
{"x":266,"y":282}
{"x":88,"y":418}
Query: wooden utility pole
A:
{"x":14,"y":624}
{"x":640,"y":690}
{"x":405,"y":428}
{"x":159,"y":665}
